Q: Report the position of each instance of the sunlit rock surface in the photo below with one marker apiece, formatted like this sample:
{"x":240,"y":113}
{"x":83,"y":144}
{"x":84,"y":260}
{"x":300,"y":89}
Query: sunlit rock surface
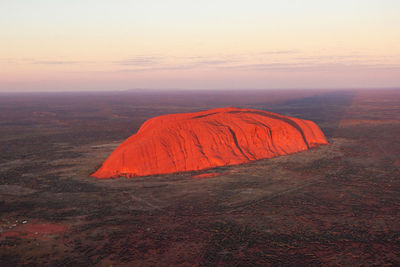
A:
{"x":206,"y":139}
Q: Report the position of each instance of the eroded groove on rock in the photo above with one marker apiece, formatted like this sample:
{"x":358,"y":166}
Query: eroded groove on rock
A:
{"x":206,"y":139}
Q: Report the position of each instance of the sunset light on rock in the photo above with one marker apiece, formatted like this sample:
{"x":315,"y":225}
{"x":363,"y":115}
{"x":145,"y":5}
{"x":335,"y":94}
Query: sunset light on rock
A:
{"x":201,"y":140}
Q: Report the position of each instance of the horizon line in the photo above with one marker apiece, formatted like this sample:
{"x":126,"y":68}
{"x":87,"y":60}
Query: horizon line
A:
{"x":141,"y":90}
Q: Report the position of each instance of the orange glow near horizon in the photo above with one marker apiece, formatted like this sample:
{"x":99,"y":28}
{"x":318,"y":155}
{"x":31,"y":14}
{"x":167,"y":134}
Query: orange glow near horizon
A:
{"x":102,"y":45}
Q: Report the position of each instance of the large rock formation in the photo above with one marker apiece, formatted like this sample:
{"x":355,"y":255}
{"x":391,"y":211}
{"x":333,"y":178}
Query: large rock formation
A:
{"x":201,"y":140}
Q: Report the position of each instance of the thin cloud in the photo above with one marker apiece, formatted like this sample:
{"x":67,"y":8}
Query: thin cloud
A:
{"x":214,"y":62}
{"x":280,"y":52}
{"x":56,"y":62}
{"x":140,"y":61}
{"x":256,"y":62}
{"x":290,"y":67}
{"x":178,"y":67}
{"x":144,"y":63}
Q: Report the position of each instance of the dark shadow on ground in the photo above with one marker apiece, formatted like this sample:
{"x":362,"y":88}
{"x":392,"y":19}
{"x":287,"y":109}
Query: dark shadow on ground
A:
{"x":325,"y":109}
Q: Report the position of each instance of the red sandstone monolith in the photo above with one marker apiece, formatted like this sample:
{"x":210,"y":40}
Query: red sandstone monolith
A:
{"x":206,"y":139}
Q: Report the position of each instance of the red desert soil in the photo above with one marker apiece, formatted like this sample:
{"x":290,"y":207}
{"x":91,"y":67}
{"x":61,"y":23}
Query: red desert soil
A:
{"x":201,"y":140}
{"x":38,"y":231}
{"x":206,"y":175}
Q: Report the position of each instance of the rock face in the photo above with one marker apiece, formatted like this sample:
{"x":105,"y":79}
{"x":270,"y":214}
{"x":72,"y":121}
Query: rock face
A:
{"x":201,"y":140}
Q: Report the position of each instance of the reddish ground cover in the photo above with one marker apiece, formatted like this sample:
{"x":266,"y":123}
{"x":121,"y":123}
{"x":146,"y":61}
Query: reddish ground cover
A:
{"x":35,"y":231}
{"x":206,"y":175}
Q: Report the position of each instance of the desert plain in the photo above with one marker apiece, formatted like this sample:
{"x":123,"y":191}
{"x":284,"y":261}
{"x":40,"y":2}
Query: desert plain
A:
{"x":332,"y":205}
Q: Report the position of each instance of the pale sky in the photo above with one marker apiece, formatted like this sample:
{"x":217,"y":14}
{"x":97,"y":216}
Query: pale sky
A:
{"x":73,"y":45}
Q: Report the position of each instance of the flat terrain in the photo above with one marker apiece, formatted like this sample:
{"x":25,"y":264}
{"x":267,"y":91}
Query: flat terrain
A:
{"x":332,"y":205}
